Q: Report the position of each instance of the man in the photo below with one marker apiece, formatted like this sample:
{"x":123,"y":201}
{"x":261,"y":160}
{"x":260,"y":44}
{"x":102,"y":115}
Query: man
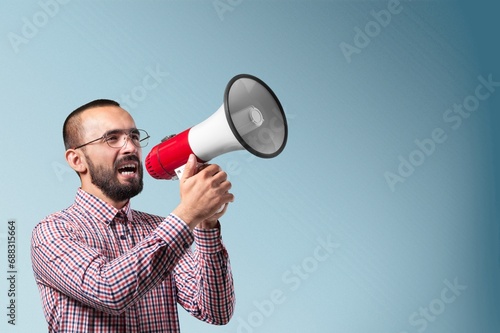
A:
{"x":101,"y":266}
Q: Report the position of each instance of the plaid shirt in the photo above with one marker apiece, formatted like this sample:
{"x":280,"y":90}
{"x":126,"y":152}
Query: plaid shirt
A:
{"x":100,"y":269}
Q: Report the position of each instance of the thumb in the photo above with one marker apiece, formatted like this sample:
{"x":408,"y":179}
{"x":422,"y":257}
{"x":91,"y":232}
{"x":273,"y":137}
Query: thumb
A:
{"x":190,"y":167}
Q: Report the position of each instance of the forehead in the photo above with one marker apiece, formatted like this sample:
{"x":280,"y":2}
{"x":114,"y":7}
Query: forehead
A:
{"x":96,"y":121}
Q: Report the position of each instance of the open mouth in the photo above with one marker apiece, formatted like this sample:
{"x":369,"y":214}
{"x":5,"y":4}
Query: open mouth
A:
{"x":127,"y":169}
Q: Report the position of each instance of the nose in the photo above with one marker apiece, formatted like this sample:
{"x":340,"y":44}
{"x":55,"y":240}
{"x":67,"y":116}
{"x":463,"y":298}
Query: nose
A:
{"x":128,"y":145}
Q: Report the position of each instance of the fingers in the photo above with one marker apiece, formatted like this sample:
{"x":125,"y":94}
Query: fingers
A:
{"x":204,"y":190}
{"x":209,"y":170}
{"x":190,"y":168}
{"x":214,"y":172}
{"x":220,"y":184}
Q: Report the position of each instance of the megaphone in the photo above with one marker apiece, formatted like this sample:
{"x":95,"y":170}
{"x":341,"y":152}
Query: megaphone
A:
{"x":250,"y":118}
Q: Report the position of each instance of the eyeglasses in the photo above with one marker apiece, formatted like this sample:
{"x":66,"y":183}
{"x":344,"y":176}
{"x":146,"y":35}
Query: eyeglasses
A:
{"x":118,"y":138}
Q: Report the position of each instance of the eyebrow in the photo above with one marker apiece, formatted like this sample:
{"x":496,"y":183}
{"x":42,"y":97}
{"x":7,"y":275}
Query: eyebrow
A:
{"x":115,"y":131}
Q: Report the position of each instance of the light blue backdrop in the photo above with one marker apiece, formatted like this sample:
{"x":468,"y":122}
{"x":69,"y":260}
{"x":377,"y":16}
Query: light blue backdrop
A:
{"x":379,"y":216}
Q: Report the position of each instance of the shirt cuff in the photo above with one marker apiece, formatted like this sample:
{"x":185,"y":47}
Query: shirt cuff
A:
{"x":175,"y":233}
{"x":208,"y":240}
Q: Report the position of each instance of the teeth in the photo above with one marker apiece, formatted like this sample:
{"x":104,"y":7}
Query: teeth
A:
{"x":128,"y":166}
{"x":127,"y":169}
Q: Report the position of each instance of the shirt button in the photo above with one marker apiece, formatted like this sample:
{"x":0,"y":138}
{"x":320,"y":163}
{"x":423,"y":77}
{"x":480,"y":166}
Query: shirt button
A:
{"x":186,"y":245}
{"x":123,"y":237}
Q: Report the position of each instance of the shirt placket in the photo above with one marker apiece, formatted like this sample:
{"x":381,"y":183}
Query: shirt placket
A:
{"x":121,"y":231}
{"x":125,"y":240}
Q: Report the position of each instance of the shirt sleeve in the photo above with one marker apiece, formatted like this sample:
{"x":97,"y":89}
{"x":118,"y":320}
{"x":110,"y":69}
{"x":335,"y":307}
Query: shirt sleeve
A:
{"x":204,"y":279}
{"x":61,"y":260}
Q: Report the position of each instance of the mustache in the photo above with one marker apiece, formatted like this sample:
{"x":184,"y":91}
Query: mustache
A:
{"x":128,"y":158}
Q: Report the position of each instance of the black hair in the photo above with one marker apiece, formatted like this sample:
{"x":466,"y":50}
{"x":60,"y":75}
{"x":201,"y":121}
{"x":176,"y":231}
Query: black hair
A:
{"x":72,"y":127}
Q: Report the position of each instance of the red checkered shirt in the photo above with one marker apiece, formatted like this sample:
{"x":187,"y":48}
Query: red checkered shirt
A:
{"x":100,"y":269}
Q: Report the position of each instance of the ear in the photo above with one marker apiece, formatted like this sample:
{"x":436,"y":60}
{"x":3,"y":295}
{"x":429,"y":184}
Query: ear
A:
{"x":76,"y":160}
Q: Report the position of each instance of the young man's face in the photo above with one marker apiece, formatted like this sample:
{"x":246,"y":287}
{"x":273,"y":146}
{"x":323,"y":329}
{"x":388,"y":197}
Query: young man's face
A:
{"x":116,"y":172}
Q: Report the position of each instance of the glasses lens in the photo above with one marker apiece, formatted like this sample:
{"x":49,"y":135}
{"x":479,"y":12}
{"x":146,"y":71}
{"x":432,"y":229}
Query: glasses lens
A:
{"x":143,"y":139}
{"x":117,"y":139}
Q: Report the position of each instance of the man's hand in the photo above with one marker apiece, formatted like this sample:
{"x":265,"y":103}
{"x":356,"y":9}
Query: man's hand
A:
{"x":203,"y":193}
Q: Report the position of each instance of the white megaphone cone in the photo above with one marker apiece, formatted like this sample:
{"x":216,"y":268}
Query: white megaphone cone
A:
{"x":250,"y":118}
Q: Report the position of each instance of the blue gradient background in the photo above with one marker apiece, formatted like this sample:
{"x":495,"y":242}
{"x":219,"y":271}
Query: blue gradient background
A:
{"x":348,"y":125}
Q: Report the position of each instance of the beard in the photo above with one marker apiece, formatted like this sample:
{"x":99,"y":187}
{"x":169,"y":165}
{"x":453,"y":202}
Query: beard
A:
{"x":106,"y":180}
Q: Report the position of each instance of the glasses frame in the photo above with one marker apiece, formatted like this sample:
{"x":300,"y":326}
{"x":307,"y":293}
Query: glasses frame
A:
{"x":103,"y":137}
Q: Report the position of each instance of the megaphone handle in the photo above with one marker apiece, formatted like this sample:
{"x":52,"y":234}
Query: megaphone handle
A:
{"x":180,"y":171}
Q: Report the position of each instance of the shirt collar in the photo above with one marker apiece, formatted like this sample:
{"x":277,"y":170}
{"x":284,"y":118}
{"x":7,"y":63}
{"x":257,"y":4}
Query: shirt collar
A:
{"x":100,"y":209}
